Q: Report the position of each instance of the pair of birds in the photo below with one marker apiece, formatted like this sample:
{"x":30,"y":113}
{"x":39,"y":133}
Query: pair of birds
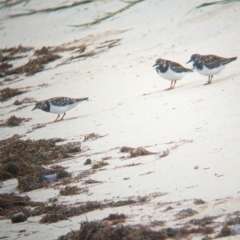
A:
{"x":207,"y":65}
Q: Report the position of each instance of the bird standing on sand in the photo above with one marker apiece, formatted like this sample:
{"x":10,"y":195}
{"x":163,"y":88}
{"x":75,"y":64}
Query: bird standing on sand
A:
{"x":58,"y":105}
{"x":171,"y":71}
{"x":209,"y":65}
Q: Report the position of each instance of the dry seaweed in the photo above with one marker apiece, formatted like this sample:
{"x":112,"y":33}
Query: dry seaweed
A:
{"x":115,"y":218}
{"x":125,"y":149}
{"x":199,"y":201}
{"x":24,"y":101}
{"x":135,"y":152}
{"x":92,"y":136}
{"x":11,"y":203}
{"x":91,"y":181}
{"x":6,"y":93}
{"x":4,"y":67}
{"x":185,"y":213}
{"x":29,"y":155}
{"x":224,"y":232}
{"x":14,"y":121}
{"x":62,"y":212}
{"x":203,"y":221}
{"x":72,"y":190}
{"x":16,"y":50}
{"x":99,"y":164}
{"x":96,"y":230}
{"x":34,"y":65}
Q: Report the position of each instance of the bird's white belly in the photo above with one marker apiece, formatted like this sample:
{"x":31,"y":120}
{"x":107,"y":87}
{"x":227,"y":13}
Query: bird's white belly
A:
{"x":61,"y":109}
{"x":171,"y":75}
{"x":208,"y":72}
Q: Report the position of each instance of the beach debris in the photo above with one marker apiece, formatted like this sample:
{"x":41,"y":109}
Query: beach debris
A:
{"x":92,"y":137}
{"x":98,"y":164}
{"x":203,"y":221}
{"x":224,"y":232}
{"x":88,"y":161}
{"x":199,"y":201}
{"x":135,"y":152}
{"x":7,"y":93}
{"x":63,"y":174}
{"x":72,"y":190}
{"x":115,"y":218}
{"x":146,"y":173}
{"x":38,"y":125}
{"x":39,"y":158}
{"x":18,"y":217}
{"x":50,"y":178}
{"x":185,"y":213}
{"x":106,"y":158}
{"x":125,"y":149}
{"x":235,"y":230}
{"x":102,"y":230}
{"x":2,"y":74}
{"x":62,"y":212}
{"x":169,"y":208}
{"x":24,"y":100}
{"x":29,"y":156}
{"x":34,"y":65}
{"x":234,"y":220}
{"x":91,"y":181}
{"x":196,"y":167}
{"x":164,"y":153}
{"x":12,"y":168}
{"x":14,"y":121}
{"x":157,"y":223}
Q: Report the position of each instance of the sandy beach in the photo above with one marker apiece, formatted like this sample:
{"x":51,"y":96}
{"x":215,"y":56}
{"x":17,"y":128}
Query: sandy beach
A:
{"x":191,"y":132}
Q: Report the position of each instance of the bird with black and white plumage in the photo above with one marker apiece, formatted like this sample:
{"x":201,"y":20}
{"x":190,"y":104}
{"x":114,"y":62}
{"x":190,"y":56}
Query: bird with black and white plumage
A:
{"x":170,"y":70}
{"x":209,"y":65}
{"x":58,"y":105}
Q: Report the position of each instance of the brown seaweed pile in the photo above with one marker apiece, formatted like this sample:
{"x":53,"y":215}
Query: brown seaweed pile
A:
{"x":135,"y":152}
{"x":100,"y":230}
{"x":14,"y":121}
{"x":71,"y":190}
{"x":38,"y":59}
{"x":11,"y":203}
{"x":7,"y":93}
{"x":62,"y":212}
{"x":34,"y":65}
{"x":23,"y":159}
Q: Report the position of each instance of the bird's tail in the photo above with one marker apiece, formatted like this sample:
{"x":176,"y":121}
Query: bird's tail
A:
{"x":82,"y":99}
{"x":228,"y":60}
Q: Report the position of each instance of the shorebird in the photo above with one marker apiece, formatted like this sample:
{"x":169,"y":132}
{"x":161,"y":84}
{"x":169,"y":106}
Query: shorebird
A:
{"x":58,"y":105}
{"x":171,"y":71}
{"x":209,"y":65}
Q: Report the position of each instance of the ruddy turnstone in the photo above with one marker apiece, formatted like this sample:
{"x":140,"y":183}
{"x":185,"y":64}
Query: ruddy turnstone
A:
{"x":58,"y":105}
{"x":209,"y":65}
{"x":171,"y":71}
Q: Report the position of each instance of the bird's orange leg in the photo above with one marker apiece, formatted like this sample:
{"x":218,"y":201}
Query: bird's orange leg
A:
{"x":211,"y":77}
{"x":174,"y":84}
{"x":57,"y":118}
{"x":171,"y":86}
{"x":63,"y":116}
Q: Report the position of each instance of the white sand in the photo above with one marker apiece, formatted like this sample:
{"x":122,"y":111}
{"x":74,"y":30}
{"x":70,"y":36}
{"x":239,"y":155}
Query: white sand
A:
{"x":128,"y":104}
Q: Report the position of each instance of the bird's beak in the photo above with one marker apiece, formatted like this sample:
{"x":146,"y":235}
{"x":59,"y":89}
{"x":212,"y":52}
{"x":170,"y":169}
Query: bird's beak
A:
{"x":34,"y":108}
{"x":154,"y":65}
{"x":189,"y":61}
